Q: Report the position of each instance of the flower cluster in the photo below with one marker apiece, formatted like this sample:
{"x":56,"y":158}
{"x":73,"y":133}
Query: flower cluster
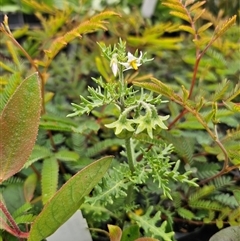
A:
{"x":147,"y":122}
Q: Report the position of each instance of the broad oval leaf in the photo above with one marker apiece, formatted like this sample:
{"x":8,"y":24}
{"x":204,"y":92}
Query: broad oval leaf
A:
{"x":115,"y":232}
{"x":68,"y":199}
{"x":19,"y":121}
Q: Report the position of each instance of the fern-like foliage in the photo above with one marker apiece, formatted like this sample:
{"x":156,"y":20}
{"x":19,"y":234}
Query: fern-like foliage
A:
{"x":114,"y":185}
{"x":149,"y":221}
{"x":95,"y":23}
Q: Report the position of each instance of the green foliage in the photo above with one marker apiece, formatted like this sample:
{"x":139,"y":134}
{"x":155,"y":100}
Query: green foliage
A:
{"x":149,"y":223}
{"x":194,"y":80}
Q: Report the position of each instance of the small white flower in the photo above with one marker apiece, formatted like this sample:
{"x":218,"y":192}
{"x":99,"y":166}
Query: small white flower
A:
{"x":114,"y":64}
{"x":132,"y":62}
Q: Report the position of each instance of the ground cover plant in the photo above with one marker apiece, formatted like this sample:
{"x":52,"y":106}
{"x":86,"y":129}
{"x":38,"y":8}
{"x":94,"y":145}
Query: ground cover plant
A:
{"x":159,"y":104}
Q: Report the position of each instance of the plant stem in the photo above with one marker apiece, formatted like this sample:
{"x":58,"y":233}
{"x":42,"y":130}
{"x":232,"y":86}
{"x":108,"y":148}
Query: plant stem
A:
{"x":129,"y":150}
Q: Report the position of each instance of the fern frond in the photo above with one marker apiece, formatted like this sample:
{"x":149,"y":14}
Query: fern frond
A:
{"x":149,"y":223}
{"x":114,"y":185}
{"x":226,"y":200}
{"x":221,"y":182}
{"x":206,"y":204}
{"x":49,"y":180}
{"x":207,"y":170}
{"x":234,"y":93}
{"x":94,"y":24}
{"x":57,"y":123}
{"x":201,"y":192}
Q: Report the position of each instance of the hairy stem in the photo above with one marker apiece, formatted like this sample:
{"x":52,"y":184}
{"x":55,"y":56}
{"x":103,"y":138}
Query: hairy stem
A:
{"x":129,"y":150}
{"x":15,"y":231}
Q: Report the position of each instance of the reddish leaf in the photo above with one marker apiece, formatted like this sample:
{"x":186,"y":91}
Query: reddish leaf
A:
{"x":19,"y":122}
{"x":115,"y":233}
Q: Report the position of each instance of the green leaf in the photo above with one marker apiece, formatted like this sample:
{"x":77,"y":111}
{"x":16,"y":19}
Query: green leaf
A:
{"x":68,"y":199}
{"x":237,"y":195}
{"x":49,"y":179}
{"x":30,"y":186}
{"x":65,"y":155}
{"x":19,"y":122}
{"x":130,"y":233}
{"x":148,"y":223}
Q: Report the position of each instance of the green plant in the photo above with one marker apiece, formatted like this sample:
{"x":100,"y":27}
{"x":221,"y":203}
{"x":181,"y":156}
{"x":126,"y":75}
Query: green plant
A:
{"x":199,"y":85}
{"x":136,"y":114}
{"x":23,"y":102}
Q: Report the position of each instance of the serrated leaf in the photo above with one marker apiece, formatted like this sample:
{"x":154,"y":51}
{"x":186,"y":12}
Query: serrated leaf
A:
{"x":49,"y":179}
{"x":187,"y":29}
{"x":68,"y":199}
{"x":19,"y":122}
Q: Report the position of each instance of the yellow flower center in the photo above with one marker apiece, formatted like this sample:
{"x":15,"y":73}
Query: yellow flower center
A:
{"x":133,"y":63}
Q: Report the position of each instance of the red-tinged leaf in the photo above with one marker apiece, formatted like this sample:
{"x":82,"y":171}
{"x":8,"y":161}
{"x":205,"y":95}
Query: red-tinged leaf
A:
{"x":19,"y":121}
{"x":147,"y":239}
{"x":115,"y":233}
{"x":68,"y":199}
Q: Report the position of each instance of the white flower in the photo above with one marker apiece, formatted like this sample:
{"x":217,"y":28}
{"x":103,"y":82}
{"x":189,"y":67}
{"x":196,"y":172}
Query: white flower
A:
{"x":114,"y":64}
{"x":132,"y":62}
